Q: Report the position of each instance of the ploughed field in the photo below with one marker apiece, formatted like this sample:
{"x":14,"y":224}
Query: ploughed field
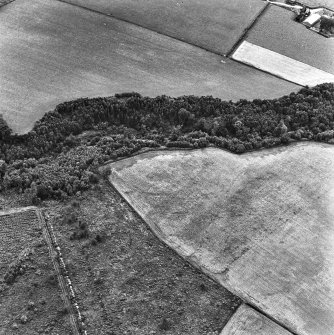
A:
{"x":212,"y":24}
{"x":261,"y":223}
{"x":51,"y":52}
{"x":30,"y":300}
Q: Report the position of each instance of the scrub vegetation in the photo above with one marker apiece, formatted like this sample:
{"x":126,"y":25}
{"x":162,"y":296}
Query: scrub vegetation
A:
{"x":61,"y":155}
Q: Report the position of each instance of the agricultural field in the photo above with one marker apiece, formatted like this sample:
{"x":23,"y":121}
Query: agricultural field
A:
{"x":319,"y":3}
{"x":126,"y":280}
{"x":301,"y":44}
{"x":66,"y":52}
{"x":30,"y":301}
{"x":212,"y":24}
{"x":247,"y":321}
{"x":280,"y":65}
{"x":260,"y":223}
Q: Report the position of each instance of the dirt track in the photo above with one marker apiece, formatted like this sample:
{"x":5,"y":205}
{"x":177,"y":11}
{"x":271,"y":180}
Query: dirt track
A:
{"x":65,"y":53}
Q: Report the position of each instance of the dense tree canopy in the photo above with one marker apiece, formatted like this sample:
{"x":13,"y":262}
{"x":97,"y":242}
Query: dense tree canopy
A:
{"x":60,"y":155}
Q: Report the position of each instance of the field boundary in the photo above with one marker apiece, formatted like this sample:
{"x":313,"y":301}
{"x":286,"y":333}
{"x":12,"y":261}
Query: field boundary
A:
{"x":247,"y":29}
{"x":5,"y":2}
{"x":140,"y":26}
{"x":177,"y":249}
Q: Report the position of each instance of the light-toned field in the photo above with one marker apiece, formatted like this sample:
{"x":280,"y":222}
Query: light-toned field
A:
{"x":281,"y":66}
{"x":212,"y":24}
{"x":51,"y":52}
{"x":277,"y":31}
{"x":260,"y":223}
{"x":247,"y":321}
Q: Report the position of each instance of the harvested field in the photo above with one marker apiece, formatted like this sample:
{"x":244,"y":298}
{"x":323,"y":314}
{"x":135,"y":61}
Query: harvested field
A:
{"x":304,"y":45}
{"x":260,"y":223}
{"x":68,"y":52}
{"x":30,"y":301}
{"x":129,"y":281}
{"x":212,"y":24}
{"x":281,"y":66}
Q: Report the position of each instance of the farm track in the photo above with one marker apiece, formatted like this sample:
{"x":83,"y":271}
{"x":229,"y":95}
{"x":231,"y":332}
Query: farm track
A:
{"x":55,"y":256}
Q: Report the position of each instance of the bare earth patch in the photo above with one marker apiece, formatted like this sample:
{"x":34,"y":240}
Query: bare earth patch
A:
{"x":30,"y":299}
{"x":260,"y":223}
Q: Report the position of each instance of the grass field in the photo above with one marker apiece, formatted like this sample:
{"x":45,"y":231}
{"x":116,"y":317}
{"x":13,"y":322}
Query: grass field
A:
{"x":212,"y":24}
{"x":260,"y":223}
{"x":306,"y":46}
{"x":130,"y":281}
{"x":30,"y":301}
{"x":67,"y":52}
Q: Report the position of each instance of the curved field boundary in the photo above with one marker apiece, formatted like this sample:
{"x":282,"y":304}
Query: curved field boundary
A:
{"x":280,"y":65}
{"x":273,"y":249}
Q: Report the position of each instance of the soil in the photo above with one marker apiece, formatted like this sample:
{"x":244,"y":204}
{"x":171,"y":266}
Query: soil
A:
{"x":129,"y":282}
{"x":30,"y":301}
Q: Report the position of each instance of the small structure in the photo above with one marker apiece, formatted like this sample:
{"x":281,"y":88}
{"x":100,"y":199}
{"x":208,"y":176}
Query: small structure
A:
{"x":320,"y":20}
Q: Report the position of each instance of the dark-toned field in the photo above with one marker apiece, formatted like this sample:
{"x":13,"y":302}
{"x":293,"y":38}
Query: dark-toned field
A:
{"x":30,"y":300}
{"x":51,"y":52}
{"x":260,"y":223}
{"x":212,"y":24}
{"x":129,"y":282}
{"x":277,"y":25}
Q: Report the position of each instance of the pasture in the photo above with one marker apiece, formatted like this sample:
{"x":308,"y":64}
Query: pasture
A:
{"x":277,"y":31}
{"x":29,"y":293}
{"x":51,"y":52}
{"x":260,"y":223}
{"x":212,"y":24}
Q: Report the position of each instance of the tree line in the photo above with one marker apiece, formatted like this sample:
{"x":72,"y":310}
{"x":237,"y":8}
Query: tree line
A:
{"x":60,"y":155}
